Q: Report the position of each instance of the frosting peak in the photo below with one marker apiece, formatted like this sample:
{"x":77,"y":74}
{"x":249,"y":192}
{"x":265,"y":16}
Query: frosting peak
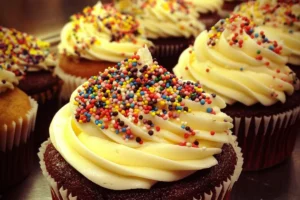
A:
{"x":24,"y":51}
{"x":239,"y":62}
{"x":136,"y":124}
{"x":8,"y":77}
{"x":102,"y":33}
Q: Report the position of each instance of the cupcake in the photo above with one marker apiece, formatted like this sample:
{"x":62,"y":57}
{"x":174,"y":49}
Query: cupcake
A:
{"x":17,"y":119}
{"x":279,"y":21}
{"x":95,"y":39}
{"x":208,"y":10}
{"x":34,"y":61}
{"x":135,"y":131}
{"x":171,"y":26}
{"x":228,"y":7}
{"x":248,"y":70}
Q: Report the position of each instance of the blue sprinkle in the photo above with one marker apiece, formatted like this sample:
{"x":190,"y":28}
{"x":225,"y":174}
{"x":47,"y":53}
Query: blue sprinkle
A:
{"x":202,"y":101}
{"x":256,"y":35}
{"x":209,"y":110}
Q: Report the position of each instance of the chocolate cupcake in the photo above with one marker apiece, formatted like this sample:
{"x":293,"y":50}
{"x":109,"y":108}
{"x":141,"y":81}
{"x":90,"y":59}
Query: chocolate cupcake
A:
{"x":95,"y":39}
{"x":135,"y":131}
{"x":35,"y":62}
{"x":240,"y":64}
{"x":228,"y":7}
{"x":279,"y":20}
{"x":17,"y":119}
{"x":208,"y":10}
{"x":171,"y":25}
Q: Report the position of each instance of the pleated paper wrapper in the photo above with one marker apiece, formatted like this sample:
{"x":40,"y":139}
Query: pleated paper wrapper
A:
{"x":16,"y":148}
{"x":268,"y":140}
{"x":70,"y":83}
{"x":219,"y":193}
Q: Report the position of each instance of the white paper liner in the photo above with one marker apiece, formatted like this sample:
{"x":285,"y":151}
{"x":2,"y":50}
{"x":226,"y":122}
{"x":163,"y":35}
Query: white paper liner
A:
{"x":219,"y":192}
{"x":268,"y":140}
{"x":70,"y":83}
{"x":20,"y":131}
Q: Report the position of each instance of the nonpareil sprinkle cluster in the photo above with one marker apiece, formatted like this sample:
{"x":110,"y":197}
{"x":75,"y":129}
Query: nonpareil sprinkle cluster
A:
{"x":238,"y":25}
{"x":105,"y":20}
{"x":21,"y":49}
{"x":137,"y":92}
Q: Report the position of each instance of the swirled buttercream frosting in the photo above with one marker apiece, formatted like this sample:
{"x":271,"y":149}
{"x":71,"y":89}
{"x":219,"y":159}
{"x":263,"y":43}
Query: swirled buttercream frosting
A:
{"x":279,"y":20}
{"x":164,"y":18}
{"x":206,"y":6}
{"x":136,"y":124}
{"x":239,"y":63}
{"x":9,"y":76}
{"x":24,"y":51}
{"x":102,"y":33}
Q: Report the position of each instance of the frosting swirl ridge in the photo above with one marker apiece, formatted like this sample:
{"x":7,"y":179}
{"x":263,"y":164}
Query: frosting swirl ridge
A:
{"x":280,"y":21}
{"x":136,"y":124}
{"x":239,"y":63}
{"x":102,"y":33}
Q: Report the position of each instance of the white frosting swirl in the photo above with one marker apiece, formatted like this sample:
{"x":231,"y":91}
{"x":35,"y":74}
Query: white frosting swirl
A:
{"x":239,"y":64}
{"x":7,"y":78}
{"x":135,"y":157}
{"x":101,"y":33}
{"x":163,"y":19}
{"x":24,"y":51}
{"x":280,"y":21}
{"x":206,"y":6}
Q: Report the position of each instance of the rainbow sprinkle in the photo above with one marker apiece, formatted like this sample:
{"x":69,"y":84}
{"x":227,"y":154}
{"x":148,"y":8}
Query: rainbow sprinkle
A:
{"x":134,"y":90}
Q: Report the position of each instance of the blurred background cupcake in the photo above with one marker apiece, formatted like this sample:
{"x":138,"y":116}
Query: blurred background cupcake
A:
{"x":228,"y":7}
{"x":208,"y":10}
{"x":248,"y":70}
{"x":279,"y":20}
{"x":94,"y":40}
{"x":171,"y":25}
{"x":17,"y":120}
{"x":144,"y":138}
{"x":35,"y":62}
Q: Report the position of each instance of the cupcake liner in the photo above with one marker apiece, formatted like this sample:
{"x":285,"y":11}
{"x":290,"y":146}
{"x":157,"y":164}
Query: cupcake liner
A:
{"x":268,"y":140}
{"x":166,"y":50}
{"x":220,"y":192}
{"x":49,"y":94}
{"x":70,"y":83}
{"x":16,"y":151}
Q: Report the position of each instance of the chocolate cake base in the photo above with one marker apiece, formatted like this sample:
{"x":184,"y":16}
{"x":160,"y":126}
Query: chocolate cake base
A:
{"x":295,"y":68}
{"x":45,"y":89}
{"x":228,"y":7}
{"x":168,"y":50}
{"x":209,"y":19}
{"x":266,"y":134}
{"x":193,"y":186}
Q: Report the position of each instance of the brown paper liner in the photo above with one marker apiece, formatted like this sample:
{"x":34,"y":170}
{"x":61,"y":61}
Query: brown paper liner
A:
{"x":70,"y":84}
{"x":268,"y":140}
{"x":16,"y":148}
{"x":218,"y":193}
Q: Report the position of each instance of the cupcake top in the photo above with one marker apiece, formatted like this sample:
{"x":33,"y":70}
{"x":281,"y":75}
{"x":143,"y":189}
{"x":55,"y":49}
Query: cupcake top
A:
{"x":24,"y":51}
{"x":164,"y":18}
{"x":206,"y":6}
{"x":239,"y":63}
{"x":101,"y":33}
{"x":135,"y":124}
{"x":8,"y":77}
{"x":279,"y":20}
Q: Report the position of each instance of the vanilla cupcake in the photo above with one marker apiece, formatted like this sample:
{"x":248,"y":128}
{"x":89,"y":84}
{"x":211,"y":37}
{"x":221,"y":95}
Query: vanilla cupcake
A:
{"x":171,"y":25}
{"x":137,"y":132}
{"x":95,"y":39}
{"x":17,"y":119}
{"x":239,"y":63}
{"x":279,"y":21}
{"x":36,"y":63}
